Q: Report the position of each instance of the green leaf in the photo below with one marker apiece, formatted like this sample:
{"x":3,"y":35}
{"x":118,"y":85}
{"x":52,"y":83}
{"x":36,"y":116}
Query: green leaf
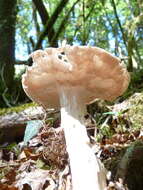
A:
{"x":40,"y":164}
{"x":32,"y":129}
{"x":110,"y":113}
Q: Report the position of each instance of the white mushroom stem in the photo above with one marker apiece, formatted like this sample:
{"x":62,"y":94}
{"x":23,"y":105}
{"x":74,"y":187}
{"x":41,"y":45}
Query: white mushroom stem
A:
{"x":86,"y":170}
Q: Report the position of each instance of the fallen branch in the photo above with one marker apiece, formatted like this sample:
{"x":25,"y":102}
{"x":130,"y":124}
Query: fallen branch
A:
{"x":12,"y":125}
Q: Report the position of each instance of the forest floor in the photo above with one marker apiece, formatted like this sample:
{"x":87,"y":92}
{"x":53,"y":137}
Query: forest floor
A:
{"x":40,"y":161}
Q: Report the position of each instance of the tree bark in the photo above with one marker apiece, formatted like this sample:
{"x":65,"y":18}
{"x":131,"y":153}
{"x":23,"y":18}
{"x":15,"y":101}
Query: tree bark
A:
{"x":12,"y":125}
{"x":7,"y":45}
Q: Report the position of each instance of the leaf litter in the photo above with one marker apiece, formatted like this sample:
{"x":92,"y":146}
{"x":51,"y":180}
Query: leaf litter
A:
{"x":43,"y":163}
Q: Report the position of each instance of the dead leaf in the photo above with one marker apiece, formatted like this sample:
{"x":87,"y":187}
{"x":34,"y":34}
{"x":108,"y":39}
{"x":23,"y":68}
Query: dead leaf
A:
{"x":35,"y":179}
{"x":7,"y":187}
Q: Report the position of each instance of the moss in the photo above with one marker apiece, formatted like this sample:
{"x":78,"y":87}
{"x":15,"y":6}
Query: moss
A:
{"x":4,"y":111}
{"x":129,"y":117}
{"x":135,"y":112}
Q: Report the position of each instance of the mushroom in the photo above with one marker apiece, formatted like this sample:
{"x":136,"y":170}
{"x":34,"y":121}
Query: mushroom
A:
{"x":69,"y":78}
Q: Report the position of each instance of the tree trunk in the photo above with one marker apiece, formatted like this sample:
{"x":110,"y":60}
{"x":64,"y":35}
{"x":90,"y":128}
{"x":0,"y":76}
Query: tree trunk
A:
{"x":7,"y":46}
{"x":51,"y":21}
{"x":44,"y":15}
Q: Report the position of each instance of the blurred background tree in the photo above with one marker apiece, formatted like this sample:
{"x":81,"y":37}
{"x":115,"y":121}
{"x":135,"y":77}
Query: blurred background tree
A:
{"x":27,"y":25}
{"x":7,"y":48}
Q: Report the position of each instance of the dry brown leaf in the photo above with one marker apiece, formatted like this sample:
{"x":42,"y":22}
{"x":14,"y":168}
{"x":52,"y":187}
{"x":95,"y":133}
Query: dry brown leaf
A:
{"x":7,"y":187}
{"x":35,"y":179}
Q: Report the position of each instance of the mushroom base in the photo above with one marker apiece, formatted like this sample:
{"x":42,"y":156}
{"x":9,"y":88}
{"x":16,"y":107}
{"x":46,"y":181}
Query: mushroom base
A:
{"x":86,"y":170}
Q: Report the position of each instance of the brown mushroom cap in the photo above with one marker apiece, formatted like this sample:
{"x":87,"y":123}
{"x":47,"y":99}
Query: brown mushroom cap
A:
{"x":97,"y":74}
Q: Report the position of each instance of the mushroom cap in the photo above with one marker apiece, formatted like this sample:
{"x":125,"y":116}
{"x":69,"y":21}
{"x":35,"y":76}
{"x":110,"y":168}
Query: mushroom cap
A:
{"x":97,"y":73}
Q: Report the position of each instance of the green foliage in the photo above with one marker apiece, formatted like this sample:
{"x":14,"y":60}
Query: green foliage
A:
{"x":12,"y":147}
{"x":41,"y":165}
{"x":126,"y":120}
{"x":90,"y":22}
{"x":136,"y":111}
{"x":113,"y":25}
{"x":24,"y":21}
